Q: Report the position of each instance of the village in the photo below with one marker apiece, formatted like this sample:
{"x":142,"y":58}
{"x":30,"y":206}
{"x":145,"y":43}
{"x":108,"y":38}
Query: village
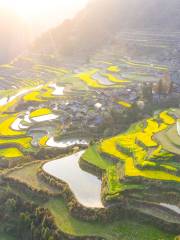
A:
{"x":98,"y":112}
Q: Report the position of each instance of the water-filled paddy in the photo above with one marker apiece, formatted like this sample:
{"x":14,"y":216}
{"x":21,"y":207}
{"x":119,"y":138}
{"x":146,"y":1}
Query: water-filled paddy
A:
{"x":27,"y":117}
{"x":86,"y":187}
{"x":174,"y":208}
{"x":102,"y":80}
{"x":44,"y":118}
{"x":58,"y":91}
{"x":17,"y":125}
{"x":36,"y":136}
{"x":66,"y":143}
{"x":38,"y":132}
{"x":6,"y":100}
{"x":3,"y":101}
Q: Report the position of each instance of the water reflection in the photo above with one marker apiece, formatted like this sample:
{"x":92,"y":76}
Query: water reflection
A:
{"x":86,"y":187}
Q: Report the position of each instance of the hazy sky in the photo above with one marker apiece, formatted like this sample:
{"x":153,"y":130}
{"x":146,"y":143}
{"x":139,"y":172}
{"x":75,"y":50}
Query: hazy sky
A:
{"x":43,"y":14}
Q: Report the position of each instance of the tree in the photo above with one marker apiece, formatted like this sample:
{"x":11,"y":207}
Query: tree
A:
{"x":51,"y":238}
{"x":24,"y":225}
{"x":10,"y":205}
{"x":147,"y":92}
{"x":160,"y":88}
{"x":46,"y":233}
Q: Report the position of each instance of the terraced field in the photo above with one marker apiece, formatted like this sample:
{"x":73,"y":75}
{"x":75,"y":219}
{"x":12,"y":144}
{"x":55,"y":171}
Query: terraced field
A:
{"x":15,"y":139}
{"x":139,"y":169}
{"x":170,"y":138}
{"x":28,"y":174}
{"x":138,"y":155}
{"x":14,"y":125}
{"x":100,"y":75}
{"x":126,"y":229}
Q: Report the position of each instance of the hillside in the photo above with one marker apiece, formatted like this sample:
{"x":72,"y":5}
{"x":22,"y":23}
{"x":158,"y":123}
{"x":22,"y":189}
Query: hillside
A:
{"x":101,"y":20}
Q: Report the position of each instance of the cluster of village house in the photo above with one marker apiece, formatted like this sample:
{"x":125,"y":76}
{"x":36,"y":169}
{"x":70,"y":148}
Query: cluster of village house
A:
{"x":89,"y":109}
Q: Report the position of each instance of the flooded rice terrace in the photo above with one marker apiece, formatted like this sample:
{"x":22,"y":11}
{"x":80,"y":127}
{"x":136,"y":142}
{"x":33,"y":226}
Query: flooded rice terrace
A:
{"x":86,"y":187}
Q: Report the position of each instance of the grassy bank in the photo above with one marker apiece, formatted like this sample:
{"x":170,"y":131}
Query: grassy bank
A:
{"x":4,"y":236}
{"x":124,"y":230}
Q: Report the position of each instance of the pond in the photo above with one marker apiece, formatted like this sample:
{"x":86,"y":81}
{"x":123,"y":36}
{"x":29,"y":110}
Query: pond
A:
{"x":85,"y":186}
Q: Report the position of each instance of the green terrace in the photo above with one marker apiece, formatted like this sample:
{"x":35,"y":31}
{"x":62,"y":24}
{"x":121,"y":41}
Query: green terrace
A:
{"x":136,"y":154}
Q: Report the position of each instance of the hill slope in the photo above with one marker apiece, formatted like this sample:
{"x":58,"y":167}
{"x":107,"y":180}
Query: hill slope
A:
{"x":101,"y":20}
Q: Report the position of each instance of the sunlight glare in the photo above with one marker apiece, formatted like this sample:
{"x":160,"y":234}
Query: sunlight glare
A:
{"x":31,"y":10}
